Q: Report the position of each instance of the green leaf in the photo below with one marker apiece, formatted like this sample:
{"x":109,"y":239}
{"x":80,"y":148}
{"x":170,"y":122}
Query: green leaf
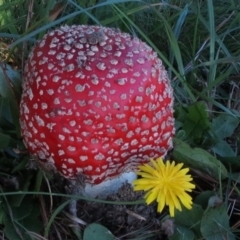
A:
{"x":10,"y":90}
{"x":5,"y":113}
{"x":215,"y":224}
{"x":203,"y":197}
{"x":96,"y":231}
{"x":181,"y":134}
{"x":199,"y":159}
{"x":224,"y":125}
{"x":10,"y":230}
{"x":223,"y":149}
{"x":235,"y":177}
{"x":4,"y":141}
{"x":10,"y":82}
{"x":190,"y":218}
{"x":182,"y":233}
{"x":178,"y":125}
{"x":22,"y":220}
{"x":197,"y":120}
{"x":33,"y":222}
{"x":23,"y":210}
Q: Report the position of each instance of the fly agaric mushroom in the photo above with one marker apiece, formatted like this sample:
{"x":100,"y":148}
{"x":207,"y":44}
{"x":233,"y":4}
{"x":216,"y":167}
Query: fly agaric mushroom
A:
{"x":96,"y":103}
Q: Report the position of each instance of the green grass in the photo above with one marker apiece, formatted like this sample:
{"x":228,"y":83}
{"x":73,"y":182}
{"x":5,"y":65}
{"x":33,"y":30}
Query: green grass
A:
{"x":199,"y":43}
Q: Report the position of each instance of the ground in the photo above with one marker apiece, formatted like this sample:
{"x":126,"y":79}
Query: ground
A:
{"x":124,"y":221}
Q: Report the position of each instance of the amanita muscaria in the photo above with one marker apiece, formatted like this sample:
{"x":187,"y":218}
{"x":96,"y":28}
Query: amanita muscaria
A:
{"x":96,"y":102}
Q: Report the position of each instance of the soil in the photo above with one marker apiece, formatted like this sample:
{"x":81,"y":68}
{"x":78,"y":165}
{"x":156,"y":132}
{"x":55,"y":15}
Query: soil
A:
{"x":128,"y":222}
{"x":124,"y":221}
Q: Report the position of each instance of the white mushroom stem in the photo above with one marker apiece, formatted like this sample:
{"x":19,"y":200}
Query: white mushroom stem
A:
{"x":75,"y":189}
{"x":102,"y":190}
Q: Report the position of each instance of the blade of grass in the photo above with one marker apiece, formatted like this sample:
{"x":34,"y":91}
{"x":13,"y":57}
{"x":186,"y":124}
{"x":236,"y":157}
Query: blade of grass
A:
{"x":53,"y":216}
{"x":217,"y":104}
{"x":217,"y":38}
{"x":211,"y":22}
{"x":176,"y":31}
{"x":174,"y":45}
{"x":62,"y":19}
{"x":85,"y":12}
{"x":72,"y":197}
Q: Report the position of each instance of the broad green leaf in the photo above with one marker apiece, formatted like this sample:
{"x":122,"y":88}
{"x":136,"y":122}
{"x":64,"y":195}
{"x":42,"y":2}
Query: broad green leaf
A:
{"x":32,"y":222}
{"x":10,"y":89}
{"x":10,"y":229}
{"x":24,"y":219}
{"x":190,"y":218}
{"x":198,"y":158}
{"x":235,"y":177}
{"x":181,"y":134}
{"x":23,"y":210}
{"x":5,"y":113}
{"x":197,"y":120}
{"x":10,"y":82}
{"x":96,"y":231}
{"x":223,"y":149}
{"x":215,"y":224}
{"x":182,"y":233}
{"x":178,"y":125}
{"x":224,"y":125}
{"x":9,"y":116}
{"x":4,"y":140}
{"x":203,"y":197}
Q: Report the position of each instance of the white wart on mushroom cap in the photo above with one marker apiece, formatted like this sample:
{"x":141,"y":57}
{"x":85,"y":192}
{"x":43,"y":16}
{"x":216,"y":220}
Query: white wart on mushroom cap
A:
{"x":96,"y":102}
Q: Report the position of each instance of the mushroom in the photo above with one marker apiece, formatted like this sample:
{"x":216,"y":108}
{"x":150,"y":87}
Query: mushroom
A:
{"x":96,"y":103}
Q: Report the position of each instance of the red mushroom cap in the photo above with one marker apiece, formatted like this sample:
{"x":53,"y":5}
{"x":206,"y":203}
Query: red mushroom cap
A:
{"x":96,"y":102}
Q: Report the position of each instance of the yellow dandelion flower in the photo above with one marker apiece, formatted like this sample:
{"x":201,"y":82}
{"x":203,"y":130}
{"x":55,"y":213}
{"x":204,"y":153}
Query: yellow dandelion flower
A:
{"x":167,"y":183}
